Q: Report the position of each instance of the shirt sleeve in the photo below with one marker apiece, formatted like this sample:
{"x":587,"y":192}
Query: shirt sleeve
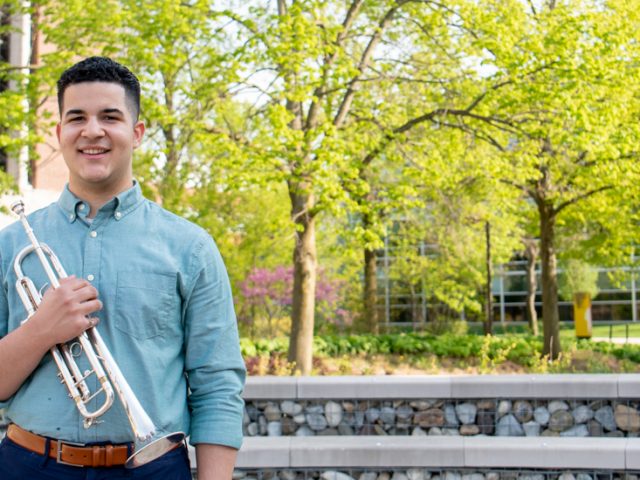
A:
{"x":4,"y":313}
{"x":213,"y":363}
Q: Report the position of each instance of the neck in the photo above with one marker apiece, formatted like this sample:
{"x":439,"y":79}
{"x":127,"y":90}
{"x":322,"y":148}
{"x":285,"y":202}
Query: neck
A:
{"x":97,"y":197}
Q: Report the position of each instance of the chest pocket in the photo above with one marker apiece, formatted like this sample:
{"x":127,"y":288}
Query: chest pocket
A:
{"x":145,"y":303}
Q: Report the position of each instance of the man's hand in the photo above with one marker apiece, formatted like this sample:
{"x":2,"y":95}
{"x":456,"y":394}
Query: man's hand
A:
{"x":62,"y":314}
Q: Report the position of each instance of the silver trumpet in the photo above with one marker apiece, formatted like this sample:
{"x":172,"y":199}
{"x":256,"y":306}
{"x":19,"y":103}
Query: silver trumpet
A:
{"x":149,"y":444}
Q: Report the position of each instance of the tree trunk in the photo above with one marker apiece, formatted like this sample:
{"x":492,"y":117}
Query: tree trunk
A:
{"x":304,"y":284}
{"x":550,"y":313}
{"x":531,"y":252}
{"x":488,"y":322}
{"x":370,"y":323}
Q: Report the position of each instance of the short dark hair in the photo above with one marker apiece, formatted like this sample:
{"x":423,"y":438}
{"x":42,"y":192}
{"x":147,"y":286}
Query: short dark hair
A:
{"x":102,"y":69}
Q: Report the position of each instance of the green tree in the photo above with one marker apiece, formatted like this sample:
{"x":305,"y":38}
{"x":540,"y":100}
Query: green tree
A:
{"x":570,"y":129}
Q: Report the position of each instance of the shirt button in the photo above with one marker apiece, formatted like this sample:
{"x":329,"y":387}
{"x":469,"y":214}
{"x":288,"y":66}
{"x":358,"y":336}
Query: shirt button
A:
{"x":118,"y":215}
{"x":93,"y":234}
{"x":90,"y":277}
{"x":71,"y":216}
{"x":81,"y":207}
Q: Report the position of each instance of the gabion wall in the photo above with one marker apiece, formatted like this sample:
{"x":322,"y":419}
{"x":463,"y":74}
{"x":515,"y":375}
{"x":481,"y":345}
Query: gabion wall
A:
{"x":574,"y":418}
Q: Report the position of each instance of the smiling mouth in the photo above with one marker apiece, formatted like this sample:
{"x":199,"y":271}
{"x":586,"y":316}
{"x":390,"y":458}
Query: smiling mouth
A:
{"x":93,"y":151}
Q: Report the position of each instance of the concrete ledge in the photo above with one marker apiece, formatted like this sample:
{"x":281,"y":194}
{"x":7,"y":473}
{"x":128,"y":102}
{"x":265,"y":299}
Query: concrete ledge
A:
{"x":258,"y":388}
{"x":629,"y":385}
{"x":460,"y":452}
{"x":444,"y":387}
{"x":369,"y":387}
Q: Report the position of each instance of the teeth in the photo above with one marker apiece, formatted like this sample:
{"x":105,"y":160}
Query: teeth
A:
{"x":93,"y":151}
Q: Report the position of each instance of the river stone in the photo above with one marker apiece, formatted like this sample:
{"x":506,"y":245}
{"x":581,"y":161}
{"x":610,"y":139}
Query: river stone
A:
{"x":300,"y":419}
{"x":418,"y":432}
{"x":583,"y":476}
{"x":416,"y":474}
{"x":467,"y":430}
{"x":556,"y":405}
{"x":252,"y":429}
{"x":541,"y":415}
{"x":238,"y":474}
{"x":404,"y":414}
{"x":451,"y":432}
{"x":253,"y":412}
{"x":274,"y":429}
{"x":246,"y":420}
{"x":523,"y":411}
{"x":606,"y":418}
{"x":272,"y":413}
{"x":508,"y":426}
{"x":368,"y":476}
{"x":435,"y":431}
{"x":486,"y":420}
{"x":316,"y":421}
{"x":452,"y":476}
{"x":595,"y":429}
{"x":314,"y":409}
{"x":532,"y":476}
{"x":580,"y":430}
{"x":531,"y":429}
{"x":262,"y":425}
{"x":290,"y":408}
{"x":450,"y":417}
{"x":492,"y":476}
{"x":287,"y":475}
{"x":486,"y":405}
{"x":567,"y":476}
{"x":466,"y":413}
{"x":473,"y":476}
{"x":560,"y":420}
{"x":384,"y":476}
{"x":345,"y":430}
{"x":582,"y":414}
{"x":549,"y":433}
{"x":504,"y":407}
{"x":379,"y":430}
{"x":399,"y":476}
{"x":372,"y":414}
{"x":421,"y":405}
{"x":627,"y":418}
{"x":388,"y":415}
{"x":328,"y":431}
{"x":349,"y":407}
{"x":333,"y":413}
{"x":304,"y":431}
{"x":333,"y":475}
{"x":434,"y":417}
{"x":615,"y":434}
{"x":288,"y":426}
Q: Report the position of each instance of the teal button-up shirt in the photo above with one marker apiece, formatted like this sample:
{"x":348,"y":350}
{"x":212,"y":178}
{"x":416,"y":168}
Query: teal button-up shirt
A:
{"x":167,"y":319}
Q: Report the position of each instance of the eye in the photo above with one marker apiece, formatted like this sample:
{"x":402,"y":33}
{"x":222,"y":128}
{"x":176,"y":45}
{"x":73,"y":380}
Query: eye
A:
{"x":75,"y":119}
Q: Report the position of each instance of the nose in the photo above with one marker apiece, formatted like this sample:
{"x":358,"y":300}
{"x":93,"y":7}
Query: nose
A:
{"x":92,"y":128}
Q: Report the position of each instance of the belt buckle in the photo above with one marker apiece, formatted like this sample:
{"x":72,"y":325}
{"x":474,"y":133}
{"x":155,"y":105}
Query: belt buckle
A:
{"x":59,"y":453}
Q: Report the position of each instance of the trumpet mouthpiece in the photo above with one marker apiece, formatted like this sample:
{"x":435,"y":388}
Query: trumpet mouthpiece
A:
{"x":17,"y":207}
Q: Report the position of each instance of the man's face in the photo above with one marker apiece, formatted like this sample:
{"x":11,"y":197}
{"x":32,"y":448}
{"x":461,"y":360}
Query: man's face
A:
{"x":97,"y":135}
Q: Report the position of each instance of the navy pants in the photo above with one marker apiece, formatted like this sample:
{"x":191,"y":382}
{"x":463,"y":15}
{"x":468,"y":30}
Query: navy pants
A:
{"x":17,"y":463}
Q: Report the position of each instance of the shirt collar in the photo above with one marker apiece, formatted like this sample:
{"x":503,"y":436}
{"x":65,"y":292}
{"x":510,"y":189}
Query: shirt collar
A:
{"x":119,"y":206}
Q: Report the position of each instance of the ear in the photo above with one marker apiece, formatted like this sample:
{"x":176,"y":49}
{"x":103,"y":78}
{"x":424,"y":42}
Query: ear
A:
{"x":138,"y":133}
{"x":58,"y":131}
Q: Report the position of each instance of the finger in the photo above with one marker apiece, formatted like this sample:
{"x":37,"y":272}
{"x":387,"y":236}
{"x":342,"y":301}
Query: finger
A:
{"x":87,"y":308}
{"x":86,"y":293}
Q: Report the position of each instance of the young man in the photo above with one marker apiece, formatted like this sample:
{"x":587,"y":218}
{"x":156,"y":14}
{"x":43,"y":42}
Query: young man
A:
{"x":155,"y":286}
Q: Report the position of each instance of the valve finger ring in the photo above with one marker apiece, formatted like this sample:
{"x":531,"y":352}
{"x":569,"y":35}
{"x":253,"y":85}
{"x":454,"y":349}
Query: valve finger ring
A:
{"x":90,"y":322}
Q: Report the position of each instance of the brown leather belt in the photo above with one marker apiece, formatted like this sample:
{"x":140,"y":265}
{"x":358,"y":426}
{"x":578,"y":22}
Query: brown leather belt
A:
{"x":69,"y":453}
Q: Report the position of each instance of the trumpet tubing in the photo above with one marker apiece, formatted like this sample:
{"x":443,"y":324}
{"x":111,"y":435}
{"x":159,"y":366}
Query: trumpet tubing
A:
{"x":103,"y":365}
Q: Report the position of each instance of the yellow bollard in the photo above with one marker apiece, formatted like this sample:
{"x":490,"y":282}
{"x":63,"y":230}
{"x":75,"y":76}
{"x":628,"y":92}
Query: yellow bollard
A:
{"x":582,"y":314}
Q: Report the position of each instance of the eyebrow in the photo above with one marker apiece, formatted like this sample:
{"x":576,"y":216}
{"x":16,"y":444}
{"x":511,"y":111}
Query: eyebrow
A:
{"x":78,"y":111}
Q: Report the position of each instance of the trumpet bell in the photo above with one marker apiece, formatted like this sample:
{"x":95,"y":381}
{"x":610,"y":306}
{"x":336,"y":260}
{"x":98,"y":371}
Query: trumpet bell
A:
{"x":150,"y":451}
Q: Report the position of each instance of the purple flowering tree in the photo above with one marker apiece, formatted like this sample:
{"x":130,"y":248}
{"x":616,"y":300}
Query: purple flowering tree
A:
{"x":268,"y":296}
